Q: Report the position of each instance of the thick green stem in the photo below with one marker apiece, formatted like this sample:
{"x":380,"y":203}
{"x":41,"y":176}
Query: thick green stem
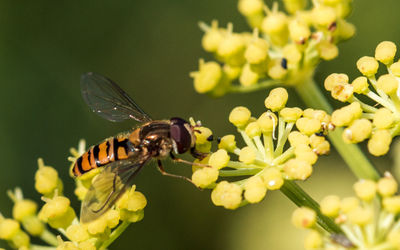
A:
{"x":302,"y":199}
{"x":115,"y":234}
{"x":351,"y":154}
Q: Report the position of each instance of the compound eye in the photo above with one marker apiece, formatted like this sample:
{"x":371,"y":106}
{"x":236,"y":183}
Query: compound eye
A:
{"x":181,"y":136}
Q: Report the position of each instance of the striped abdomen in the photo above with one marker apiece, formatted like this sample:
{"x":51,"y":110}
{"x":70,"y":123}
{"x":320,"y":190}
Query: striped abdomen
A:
{"x":110,"y":150}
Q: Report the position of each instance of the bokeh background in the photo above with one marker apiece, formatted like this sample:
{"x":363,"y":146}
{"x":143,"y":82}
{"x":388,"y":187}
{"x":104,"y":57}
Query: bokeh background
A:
{"x":149,"y":48}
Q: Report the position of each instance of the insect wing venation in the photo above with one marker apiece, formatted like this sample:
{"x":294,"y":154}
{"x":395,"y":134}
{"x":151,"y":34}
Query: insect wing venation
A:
{"x":109,"y":185}
{"x":108,"y":100}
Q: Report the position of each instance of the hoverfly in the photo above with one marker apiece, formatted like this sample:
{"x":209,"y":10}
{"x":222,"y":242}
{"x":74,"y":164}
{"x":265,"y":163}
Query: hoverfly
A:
{"x":121,"y":157}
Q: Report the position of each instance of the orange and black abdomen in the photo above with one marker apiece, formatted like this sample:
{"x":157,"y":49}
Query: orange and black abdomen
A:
{"x":112,"y":149}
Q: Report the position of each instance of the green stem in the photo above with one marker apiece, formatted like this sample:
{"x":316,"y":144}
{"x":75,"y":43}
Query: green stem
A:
{"x":115,"y":234}
{"x":255,"y":87}
{"x":49,"y":238}
{"x":301,"y":198}
{"x":39,"y":247}
{"x":239,"y":172}
{"x":351,"y":154}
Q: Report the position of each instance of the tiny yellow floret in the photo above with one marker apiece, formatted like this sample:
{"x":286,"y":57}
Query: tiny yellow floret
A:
{"x":323,"y":15}
{"x":273,"y":179}
{"x":219,"y":159}
{"x":239,"y":116}
{"x":385,"y":52}
{"x":257,"y":51}
{"x":367,"y":65}
{"x":46,"y":179}
{"x":250,"y":7}
{"x":383,"y":118}
{"x":334,"y":79}
{"x":247,"y":155}
{"x":8,"y":229}
{"x":304,"y":217}
{"x":208,"y":76}
{"x":395,"y":69}
{"x":313,"y":240}
{"x":388,"y":84}
{"x":276,"y":99}
{"x":254,"y":189}
{"x":228,"y":143}
{"x":204,"y":177}
{"x":248,"y":77}
{"x":290,"y":114}
{"x":297,"y":169}
{"x":348,"y":204}
{"x":358,"y":131}
{"x":24,"y":208}
{"x":360,"y":85}
{"x":387,"y":186}
{"x":267,"y":122}
{"x":308,"y":126}
{"x":360,"y":216}
{"x":77,"y":233}
{"x":392,"y":204}
{"x":253,"y":129}
{"x":330,"y":205}
{"x":296,"y":138}
{"x":379,"y":143}
{"x":228,"y":195}
{"x":365,"y":189}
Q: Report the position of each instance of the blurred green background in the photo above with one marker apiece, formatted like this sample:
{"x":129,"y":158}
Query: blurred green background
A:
{"x":149,"y":48}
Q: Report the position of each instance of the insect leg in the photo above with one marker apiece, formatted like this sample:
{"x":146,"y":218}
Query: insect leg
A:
{"x":196,"y":154}
{"x":175,"y":159}
{"x":163,"y":172}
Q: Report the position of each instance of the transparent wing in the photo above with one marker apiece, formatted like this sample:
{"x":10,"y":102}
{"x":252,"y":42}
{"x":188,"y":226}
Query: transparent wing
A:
{"x":108,"y":186}
{"x":108,"y":100}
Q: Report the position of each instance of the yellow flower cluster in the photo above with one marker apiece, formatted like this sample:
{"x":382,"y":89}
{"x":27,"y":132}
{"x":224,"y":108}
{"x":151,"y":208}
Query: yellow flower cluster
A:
{"x":58,"y":214}
{"x":283,"y":47}
{"x":369,"y":220}
{"x":378,"y":122}
{"x":266,"y":161}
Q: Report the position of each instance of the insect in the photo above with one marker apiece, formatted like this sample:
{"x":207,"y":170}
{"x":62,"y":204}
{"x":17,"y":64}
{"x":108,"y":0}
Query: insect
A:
{"x":121,"y":157}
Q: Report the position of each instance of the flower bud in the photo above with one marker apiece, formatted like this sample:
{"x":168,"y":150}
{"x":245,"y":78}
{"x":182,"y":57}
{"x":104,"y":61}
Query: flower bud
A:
{"x":228,"y":195}
{"x":254,"y":189}
{"x":304,"y":217}
{"x":330,"y":205}
{"x":367,"y":65}
{"x":385,"y":52}
{"x":204,"y":177}
{"x":276,"y":100}
{"x":228,"y":143}
{"x":379,"y":142}
{"x":247,"y":155}
{"x":239,"y":116}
